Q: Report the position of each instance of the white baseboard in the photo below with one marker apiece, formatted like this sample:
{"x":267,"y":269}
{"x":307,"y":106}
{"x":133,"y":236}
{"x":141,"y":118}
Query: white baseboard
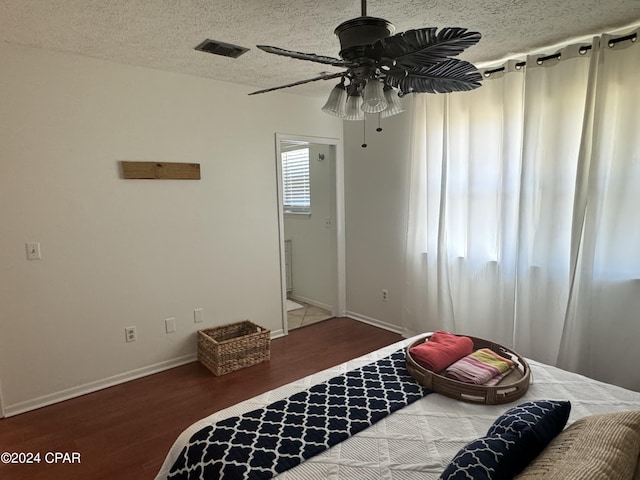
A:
{"x":277,"y":333}
{"x":310,"y":301}
{"x":69,"y":393}
{"x":375,"y":322}
{"x":50,"y":399}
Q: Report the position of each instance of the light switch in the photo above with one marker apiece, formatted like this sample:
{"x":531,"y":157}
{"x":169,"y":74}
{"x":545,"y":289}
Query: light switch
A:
{"x":170,"y":325}
{"x":198,"y":315}
{"x":33,"y":251}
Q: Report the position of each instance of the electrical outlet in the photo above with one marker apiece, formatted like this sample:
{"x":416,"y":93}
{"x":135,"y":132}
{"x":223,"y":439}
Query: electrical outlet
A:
{"x":130,"y":334}
{"x":385,"y":295}
{"x":33,"y":250}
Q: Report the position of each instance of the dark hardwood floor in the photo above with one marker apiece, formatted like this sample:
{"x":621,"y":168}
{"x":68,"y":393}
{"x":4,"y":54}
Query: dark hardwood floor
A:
{"x":124,"y":432}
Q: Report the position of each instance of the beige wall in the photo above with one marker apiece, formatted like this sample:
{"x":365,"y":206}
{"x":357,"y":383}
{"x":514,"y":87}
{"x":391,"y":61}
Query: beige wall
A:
{"x":116,"y":252}
{"x":376,"y":198}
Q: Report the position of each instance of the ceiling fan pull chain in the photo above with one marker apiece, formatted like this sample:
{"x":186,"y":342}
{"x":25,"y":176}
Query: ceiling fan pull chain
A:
{"x":364,"y":132}
{"x":379,"y":129}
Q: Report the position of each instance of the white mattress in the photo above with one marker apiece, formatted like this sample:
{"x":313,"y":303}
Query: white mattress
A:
{"x":418,"y":441}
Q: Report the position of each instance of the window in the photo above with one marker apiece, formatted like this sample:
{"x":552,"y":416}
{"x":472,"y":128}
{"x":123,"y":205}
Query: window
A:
{"x":295,"y":181}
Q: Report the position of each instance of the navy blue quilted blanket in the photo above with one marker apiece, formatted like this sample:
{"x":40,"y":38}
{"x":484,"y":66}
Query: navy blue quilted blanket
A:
{"x":264,"y":442}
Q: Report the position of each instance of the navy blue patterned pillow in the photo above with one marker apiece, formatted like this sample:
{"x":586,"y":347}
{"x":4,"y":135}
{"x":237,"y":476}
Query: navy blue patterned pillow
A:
{"x":546,"y":418}
{"x":512,"y":442}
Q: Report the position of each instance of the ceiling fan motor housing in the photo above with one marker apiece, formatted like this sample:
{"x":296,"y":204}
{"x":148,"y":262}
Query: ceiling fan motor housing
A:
{"x":359,"y":33}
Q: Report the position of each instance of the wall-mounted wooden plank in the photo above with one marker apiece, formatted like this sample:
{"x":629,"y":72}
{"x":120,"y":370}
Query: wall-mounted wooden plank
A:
{"x":161,"y":170}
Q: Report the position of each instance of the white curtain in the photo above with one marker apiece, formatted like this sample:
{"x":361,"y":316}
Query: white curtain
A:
{"x":524,"y":221}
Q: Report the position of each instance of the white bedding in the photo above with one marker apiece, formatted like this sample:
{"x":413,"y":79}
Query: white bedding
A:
{"x":418,"y":441}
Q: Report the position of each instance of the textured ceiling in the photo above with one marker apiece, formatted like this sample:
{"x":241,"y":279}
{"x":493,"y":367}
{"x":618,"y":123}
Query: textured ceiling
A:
{"x":162,"y":34}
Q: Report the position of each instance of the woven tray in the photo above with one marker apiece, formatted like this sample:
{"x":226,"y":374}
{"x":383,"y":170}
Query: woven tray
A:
{"x":512,"y":387}
{"x":231,"y":347}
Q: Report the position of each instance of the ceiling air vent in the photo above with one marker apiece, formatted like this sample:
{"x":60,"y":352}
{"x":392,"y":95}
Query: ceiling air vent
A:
{"x":221,"y":48}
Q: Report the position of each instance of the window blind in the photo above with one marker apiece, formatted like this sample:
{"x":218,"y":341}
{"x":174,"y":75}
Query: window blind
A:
{"x":295,"y":180}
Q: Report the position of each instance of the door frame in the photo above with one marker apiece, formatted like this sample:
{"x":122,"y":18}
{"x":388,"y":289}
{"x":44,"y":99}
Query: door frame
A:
{"x":339,"y":295}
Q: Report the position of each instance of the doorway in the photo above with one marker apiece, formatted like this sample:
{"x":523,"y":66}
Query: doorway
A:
{"x":311,"y":228}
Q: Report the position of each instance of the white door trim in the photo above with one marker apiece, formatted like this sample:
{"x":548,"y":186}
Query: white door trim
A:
{"x":339,"y":303}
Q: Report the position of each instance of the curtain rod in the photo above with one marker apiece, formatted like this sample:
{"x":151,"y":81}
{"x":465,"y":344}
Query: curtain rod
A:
{"x":583,"y":49}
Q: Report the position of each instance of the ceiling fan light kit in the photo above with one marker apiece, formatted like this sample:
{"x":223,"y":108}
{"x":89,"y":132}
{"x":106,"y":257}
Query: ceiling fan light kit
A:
{"x":373,"y":101}
{"x":381,"y":66}
{"x":353,"y":110}
{"x":337,"y":101}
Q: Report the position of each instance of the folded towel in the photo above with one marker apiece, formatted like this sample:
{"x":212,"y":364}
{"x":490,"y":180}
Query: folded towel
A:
{"x":497,"y":379}
{"x":482,"y":367}
{"x":441,"y":350}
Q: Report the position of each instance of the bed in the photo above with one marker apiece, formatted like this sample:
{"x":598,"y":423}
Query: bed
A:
{"x":420,"y":440}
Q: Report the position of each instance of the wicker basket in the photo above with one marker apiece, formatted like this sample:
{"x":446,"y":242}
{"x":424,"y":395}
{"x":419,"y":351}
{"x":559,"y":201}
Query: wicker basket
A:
{"x":512,"y":387}
{"x":231,"y":347}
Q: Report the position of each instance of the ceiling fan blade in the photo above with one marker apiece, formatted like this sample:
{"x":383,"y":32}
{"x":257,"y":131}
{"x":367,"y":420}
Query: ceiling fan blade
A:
{"x":312,"y":57}
{"x":301,"y":82}
{"x":451,"y":75}
{"x":425,"y":46}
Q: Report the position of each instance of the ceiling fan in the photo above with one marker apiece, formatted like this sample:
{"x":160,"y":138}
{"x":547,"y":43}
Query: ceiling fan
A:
{"x":381,"y":66}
